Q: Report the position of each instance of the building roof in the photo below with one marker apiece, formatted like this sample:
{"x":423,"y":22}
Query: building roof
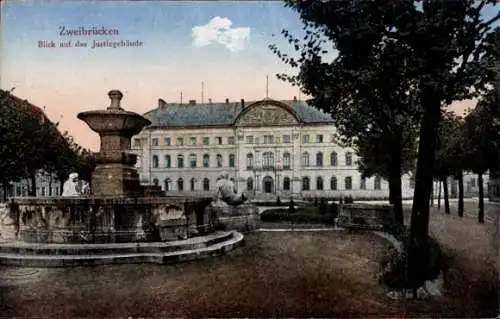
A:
{"x":222,"y":114}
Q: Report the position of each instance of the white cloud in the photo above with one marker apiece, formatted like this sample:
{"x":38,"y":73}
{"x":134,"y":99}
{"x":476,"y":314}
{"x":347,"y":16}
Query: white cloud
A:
{"x":219,"y":30}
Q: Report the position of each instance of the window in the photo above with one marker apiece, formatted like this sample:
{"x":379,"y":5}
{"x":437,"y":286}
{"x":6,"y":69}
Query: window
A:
{"x":137,"y":142}
{"x":473,"y":182}
{"x":377,"y":184}
{"x":333,"y":183}
{"x":168,"y":161}
{"x":206,"y":184}
{"x":249,"y":139}
{"x":43,"y":191}
{"x":156,"y":181}
{"x":286,"y":184}
{"x":155,"y":161}
{"x":348,"y":183}
{"x":231,"y":160}
{"x":348,"y":159}
{"x":305,"y":139}
{"x":167,"y":184}
{"x":286,"y":139}
{"x":267,"y":160}
{"x":305,"y":184}
{"x":192,"y":160}
{"x":412,"y":182}
{"x":154,"y":141}
{"x":180,"y":184}
{"x":180,"y":161}
{"x":319,"y":138}
{"x":230,"y":140}
{"x":206,"y":140}
{"x":180,"y":141}
{"x":192,"y":184}
{"x":319,"y":183}
{"x":167,"y":141}
{"x":305,"y":159}
{"x":362,"y":183}
{"x":319,"y":159}
{"x":249,"y":161}
{"x":206,"y":160}
{"x":268,"y":139}
{"x":219,"y":160}
{"x":218,"y":140}
{"x":286,"y":160}
{"x":250,"y":183}
{"x":333,"y":159}
{"x":192,"y":140}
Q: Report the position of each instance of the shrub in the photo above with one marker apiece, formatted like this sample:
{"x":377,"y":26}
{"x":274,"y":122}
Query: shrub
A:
{"x":334,"y":210}
{"x":278,"y":201}
{"x":316,"y":201}
{"x":291,"y":207}
{"x":323,"y":210}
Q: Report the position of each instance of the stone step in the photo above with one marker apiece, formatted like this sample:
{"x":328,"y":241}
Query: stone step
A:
{"x":30,"y":249}
{"x":25,"y":260}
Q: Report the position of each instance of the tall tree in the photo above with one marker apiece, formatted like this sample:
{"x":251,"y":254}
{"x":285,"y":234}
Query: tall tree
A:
{"x":432,"y":48}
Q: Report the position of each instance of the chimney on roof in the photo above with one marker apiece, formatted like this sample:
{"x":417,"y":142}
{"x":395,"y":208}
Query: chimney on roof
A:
{"x":295,"y":99}
{"x":192,"y":102}
{"x":161,"y":103}
{"x":242,"y":103}
{"x":227,"y":101}
{"x":209,"y":101}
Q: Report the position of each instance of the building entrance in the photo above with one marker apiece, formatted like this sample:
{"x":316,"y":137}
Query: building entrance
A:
{"x":268,"y":184}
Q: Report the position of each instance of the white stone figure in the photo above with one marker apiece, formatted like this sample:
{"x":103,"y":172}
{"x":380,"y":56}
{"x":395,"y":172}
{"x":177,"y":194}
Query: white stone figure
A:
{"x":227,"y":193}
{"x":85,"y":188}
{"x":70,"y":187}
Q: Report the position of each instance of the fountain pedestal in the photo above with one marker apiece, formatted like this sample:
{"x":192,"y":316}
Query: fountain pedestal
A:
{"x":115,"y":175}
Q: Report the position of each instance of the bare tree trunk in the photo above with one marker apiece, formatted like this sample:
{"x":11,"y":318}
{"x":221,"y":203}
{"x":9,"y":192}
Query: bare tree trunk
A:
{"x":439,"y":195}
{"x":32,"y":191}
{"x":446,"y":196}
{"x":395,"y":191}
{"x":461,"y":194}
{"x":432,"y":194}
{"x":5,"y":189}
{"x":480,"y":216}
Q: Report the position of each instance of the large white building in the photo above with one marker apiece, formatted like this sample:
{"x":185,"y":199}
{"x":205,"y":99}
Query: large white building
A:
{"x":269,"y":148}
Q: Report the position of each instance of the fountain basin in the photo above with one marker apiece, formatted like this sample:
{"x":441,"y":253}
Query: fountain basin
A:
{"x":77,"y":220}
{"x":113,"y":121}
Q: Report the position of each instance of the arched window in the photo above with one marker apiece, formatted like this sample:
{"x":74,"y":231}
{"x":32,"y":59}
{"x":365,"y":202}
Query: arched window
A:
{"x":377,"y":184}
{"x":180,"y":161}
{"x":193,"y":184}
{"x":286,"y":184}
{"x":231,"y":160}
{"x":180,"y":184}
{"x":319,"y":159}
{"x":305,"y":159}
{"x":167,"y":184}
{"x":333,"y":159}
{"x":348,"y":183}
{"x":319,"y":183}
{"x":219,"y":160}
{"x":156,"y":181}
{"x":192,"y":160}
{"x":286,"y":160}
{"x":249,"y":160}
{"x":333,"y":183}
{"x":155,"y":161}
{"x":362,"y":183}
{"x":306,"y":184}
{"x":206,"y":160}
{"x":267,"y":160}
{"x":250,"y":183}
{"x":206,"y":184}
{"x":168,"y":161}
{"x":348,"y":159}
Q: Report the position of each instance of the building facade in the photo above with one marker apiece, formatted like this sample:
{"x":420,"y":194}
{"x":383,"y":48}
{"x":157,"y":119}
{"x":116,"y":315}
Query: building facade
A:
{"x":268,"y":148}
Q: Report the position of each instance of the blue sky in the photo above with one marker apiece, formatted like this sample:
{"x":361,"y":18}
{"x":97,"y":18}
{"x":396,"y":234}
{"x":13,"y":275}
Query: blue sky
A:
{"x":223,"y":43}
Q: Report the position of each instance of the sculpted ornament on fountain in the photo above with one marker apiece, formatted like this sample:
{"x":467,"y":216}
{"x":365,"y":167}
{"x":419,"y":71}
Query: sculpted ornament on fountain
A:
{"x":227,"y":194}
{"x":74,"y":187}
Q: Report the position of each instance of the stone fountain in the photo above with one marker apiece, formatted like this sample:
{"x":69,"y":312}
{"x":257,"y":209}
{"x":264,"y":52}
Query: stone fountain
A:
{"x":120,"y":221}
